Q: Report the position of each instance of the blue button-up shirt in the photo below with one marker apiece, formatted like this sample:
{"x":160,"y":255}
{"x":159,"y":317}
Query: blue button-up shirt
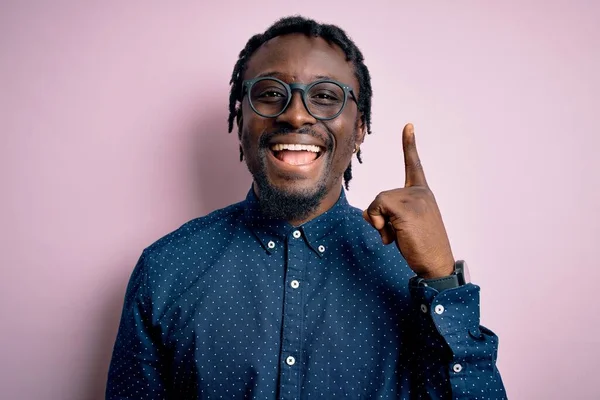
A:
{"x":233,"y":306}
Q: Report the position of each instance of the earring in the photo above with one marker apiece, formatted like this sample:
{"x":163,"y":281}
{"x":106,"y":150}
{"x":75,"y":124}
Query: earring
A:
{"x":356,"y":148}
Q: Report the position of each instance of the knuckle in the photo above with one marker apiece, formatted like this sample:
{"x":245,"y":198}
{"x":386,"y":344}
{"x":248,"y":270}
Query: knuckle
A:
{"x":415,"y":165}
{"x":381,"y":197}
{"x":423,"y":192}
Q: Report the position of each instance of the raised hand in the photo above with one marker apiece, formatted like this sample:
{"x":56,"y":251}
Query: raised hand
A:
{"x":410,"y":217}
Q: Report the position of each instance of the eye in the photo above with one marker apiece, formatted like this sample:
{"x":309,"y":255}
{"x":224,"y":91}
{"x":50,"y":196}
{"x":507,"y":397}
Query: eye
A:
{"x":271,"y":93}
{"x":325,"y":97}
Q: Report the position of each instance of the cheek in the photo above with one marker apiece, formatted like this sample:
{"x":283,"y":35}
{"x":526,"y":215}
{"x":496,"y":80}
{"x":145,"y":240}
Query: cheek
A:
{"x":252,"y":126}
{"x":343,"y":132}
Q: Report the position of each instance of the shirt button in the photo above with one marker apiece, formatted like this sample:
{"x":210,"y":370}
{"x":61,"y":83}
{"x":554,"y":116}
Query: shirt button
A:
{"x":295,"y":284}
{"x":424,"y":308}
{"x":297,"y":234}
{"x":290,"y":361}
{"x":439,"y":309}
{"x":322,"y":249}
{"x":457,"y":368}
{"x":271,"y":244}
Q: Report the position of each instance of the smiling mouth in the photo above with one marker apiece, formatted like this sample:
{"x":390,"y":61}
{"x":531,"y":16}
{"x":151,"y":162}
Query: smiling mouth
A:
{"x":296,"y":154}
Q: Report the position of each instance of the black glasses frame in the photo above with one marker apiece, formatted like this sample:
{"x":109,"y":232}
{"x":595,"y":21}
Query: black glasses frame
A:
{"x":303,"y":88}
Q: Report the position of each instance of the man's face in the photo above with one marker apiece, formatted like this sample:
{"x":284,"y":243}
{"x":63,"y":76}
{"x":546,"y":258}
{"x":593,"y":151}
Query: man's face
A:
{"x":307,"y":179}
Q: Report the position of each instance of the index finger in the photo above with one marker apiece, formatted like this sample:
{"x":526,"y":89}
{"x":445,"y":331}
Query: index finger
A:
{"x":415,"y":176}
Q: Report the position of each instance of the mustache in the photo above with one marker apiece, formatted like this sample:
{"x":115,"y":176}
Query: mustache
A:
{"x":267,"y":136}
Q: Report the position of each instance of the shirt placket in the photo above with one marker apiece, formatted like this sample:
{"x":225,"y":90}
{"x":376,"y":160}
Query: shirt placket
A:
{"x":293,"y":315}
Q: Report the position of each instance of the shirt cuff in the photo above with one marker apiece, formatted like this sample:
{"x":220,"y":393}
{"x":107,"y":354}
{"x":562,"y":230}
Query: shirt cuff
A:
{"x":449,"y":320}
{"x":454,"y":312}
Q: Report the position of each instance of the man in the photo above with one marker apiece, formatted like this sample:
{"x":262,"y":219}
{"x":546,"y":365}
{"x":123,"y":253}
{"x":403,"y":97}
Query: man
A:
{"x":293,"y":293}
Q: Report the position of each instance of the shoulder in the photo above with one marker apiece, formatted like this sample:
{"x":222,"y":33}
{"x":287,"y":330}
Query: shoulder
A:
{"x":362,"y":243}
{"x":359,"y":229}
{"x":210,"y":229}
{"x":174,"y":263}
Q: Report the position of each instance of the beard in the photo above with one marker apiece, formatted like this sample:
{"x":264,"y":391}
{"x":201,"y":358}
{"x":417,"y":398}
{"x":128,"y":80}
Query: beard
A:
{"x":277,"y":203}
{"x":285,"y":204}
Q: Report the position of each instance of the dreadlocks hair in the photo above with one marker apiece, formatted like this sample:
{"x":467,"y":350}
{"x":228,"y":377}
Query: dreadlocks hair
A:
{"x":331,"y":33}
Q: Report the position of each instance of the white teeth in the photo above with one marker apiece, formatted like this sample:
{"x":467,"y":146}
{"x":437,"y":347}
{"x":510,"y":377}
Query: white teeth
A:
{"x":296,"y":147}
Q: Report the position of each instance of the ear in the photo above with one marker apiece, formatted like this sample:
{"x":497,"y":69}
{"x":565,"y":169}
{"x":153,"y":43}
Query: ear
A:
{"x":239,"y":120}
{"x":361,"y":129}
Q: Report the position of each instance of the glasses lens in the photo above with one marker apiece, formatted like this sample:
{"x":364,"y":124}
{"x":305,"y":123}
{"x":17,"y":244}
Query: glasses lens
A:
{"x":325,"y":99}
{"x":268,"y":97}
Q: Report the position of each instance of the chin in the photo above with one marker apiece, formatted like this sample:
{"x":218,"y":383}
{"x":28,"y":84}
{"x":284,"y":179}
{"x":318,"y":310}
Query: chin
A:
{"x":289,"y":200}
{"x":299,"y":187}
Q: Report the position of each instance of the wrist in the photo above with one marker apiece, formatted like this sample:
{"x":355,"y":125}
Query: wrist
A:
{"x":447,"y":269}
{"x":458,"y":277}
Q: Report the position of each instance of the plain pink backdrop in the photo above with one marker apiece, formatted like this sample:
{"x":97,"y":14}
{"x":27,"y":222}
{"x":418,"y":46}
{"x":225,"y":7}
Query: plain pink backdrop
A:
{"x":113,"y":133}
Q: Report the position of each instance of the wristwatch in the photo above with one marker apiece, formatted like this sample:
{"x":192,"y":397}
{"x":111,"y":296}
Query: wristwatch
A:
{"x":459,"y":277}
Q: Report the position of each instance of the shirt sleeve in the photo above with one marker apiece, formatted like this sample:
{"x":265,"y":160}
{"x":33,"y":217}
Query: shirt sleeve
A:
{"x":136,"y":369}
{"x":454,"y":357}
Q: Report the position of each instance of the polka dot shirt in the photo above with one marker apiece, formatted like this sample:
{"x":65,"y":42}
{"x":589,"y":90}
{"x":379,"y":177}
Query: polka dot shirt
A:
{"x":236,"y":306}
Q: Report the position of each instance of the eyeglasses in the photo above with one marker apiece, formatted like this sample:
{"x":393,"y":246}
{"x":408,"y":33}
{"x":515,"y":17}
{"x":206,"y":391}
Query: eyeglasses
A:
{"x":324,"y":99}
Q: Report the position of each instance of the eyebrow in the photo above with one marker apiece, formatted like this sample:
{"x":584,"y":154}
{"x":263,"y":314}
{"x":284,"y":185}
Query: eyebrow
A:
{"x":268,"y":73}
{"x":277,"y":74}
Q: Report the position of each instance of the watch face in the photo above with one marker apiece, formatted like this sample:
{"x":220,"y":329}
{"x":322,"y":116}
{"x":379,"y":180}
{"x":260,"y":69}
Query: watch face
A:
{"x":466,"y":272}
{"x":462,"y":271}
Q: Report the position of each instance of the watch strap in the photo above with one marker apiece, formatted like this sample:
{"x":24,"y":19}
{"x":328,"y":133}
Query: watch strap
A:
{"x":443,"y":283}
{"x":456,"y":279}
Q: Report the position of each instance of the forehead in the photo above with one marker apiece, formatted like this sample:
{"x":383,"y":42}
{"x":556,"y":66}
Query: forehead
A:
{"x":301,"y":58}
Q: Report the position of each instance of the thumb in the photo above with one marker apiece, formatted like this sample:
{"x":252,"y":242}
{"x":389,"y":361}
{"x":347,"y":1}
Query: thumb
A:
{"x":374,"y":217}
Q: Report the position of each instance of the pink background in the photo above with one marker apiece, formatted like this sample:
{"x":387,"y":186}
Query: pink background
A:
{"x":113,"y":133}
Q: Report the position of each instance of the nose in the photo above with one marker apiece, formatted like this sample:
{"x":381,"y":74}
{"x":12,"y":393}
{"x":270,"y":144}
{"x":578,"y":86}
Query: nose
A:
{"x":296,"y":113}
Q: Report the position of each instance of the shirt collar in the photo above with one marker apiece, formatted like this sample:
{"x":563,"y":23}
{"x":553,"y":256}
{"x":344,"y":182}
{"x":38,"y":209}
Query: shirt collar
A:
{"x":266,"y":229}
